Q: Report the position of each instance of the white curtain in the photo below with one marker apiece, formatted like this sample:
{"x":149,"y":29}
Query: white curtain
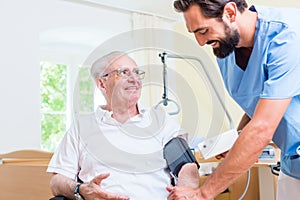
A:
{"x":152,"y":92}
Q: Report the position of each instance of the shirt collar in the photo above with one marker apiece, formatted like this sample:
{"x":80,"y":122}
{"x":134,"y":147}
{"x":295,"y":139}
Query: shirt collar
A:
{"x":103,"y":115}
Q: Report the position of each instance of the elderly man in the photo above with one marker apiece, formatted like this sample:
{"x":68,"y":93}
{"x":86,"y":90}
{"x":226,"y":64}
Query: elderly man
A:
{"x":116,"y":152}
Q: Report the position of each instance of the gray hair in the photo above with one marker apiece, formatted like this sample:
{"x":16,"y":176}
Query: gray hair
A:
{"x":99,"y":66}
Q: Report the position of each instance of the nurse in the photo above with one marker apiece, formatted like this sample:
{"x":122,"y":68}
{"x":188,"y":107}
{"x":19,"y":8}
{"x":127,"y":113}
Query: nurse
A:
{"x":257,"y":50}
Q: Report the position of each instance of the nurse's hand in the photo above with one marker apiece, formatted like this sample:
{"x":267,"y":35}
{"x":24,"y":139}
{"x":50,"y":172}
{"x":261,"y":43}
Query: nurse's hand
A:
{"x":93,"y":190}
{"x":184,"y":193}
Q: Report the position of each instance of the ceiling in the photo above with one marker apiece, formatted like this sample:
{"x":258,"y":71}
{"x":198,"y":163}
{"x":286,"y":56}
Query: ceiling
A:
{"x":162,"y":8}
{"x":165,"y":7}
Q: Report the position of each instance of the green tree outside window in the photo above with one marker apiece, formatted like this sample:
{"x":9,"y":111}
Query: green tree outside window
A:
{"x":54,"y":96}
{"x":53,"y":80}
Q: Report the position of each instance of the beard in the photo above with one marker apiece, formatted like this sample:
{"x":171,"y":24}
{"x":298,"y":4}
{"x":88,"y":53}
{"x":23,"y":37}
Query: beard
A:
{"x":228,"y":43}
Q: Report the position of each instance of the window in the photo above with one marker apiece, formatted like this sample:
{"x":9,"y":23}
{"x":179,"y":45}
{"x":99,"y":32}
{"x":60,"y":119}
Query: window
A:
{"x":57,"y":92}
{"x":53,"y":80}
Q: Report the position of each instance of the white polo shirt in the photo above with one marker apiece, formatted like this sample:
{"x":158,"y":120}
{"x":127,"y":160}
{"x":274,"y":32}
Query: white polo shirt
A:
{"x":131,"y":152}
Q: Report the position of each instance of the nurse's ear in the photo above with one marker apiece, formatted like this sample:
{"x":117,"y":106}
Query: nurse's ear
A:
{"x":230,"y":12}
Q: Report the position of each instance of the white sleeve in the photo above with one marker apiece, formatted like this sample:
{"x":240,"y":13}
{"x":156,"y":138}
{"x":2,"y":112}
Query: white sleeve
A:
{"x":66,"y":157}
{"x":174,"y":129}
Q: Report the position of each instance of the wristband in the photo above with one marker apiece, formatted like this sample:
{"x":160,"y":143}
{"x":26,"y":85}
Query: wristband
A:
{"x":76,"y":192}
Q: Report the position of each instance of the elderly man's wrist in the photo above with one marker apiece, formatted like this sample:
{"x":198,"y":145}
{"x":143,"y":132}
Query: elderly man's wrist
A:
{"x":79,"y":191}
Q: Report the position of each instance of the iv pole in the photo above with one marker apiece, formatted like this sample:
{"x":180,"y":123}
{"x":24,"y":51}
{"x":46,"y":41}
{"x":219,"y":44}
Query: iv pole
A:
{"x":165,"y":98}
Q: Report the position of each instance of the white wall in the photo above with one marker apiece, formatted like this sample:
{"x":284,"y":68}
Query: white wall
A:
{"x":25,"y":38}
{"x":19,"y":82}
{"x":275,"y":3}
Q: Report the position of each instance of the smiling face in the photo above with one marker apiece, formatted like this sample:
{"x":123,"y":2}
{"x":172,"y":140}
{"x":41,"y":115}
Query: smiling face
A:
{"x":211,"y":31}
{"x":120,"y":89}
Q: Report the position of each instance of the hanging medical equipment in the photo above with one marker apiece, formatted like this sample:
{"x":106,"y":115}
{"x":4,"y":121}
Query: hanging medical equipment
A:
{"x":221,"y":143}
{"x":165,"y":100}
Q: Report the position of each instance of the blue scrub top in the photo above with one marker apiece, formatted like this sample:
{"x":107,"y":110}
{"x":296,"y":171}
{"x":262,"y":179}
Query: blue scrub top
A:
{"x":273,"y":72}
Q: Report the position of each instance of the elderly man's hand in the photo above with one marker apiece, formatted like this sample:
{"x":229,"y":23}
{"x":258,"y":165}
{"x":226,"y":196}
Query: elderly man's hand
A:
{"x":93,"y":190}
{"x":189,"y":176}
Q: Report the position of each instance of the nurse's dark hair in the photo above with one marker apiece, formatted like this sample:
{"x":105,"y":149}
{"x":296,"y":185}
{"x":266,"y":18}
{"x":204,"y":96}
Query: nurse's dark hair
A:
{"x":209,"y":8}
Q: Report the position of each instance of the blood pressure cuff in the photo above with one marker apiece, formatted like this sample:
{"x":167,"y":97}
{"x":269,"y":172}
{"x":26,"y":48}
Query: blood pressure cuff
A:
{"x":177,"y":153}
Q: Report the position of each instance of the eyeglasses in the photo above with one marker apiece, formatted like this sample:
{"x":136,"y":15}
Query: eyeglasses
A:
{"x":126,"y":73}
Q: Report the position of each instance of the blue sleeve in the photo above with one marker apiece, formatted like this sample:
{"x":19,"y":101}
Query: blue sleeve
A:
{"x":282,"y":67}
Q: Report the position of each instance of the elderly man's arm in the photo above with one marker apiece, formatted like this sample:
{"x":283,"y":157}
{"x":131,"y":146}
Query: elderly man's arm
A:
{"x":63,"y":186}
